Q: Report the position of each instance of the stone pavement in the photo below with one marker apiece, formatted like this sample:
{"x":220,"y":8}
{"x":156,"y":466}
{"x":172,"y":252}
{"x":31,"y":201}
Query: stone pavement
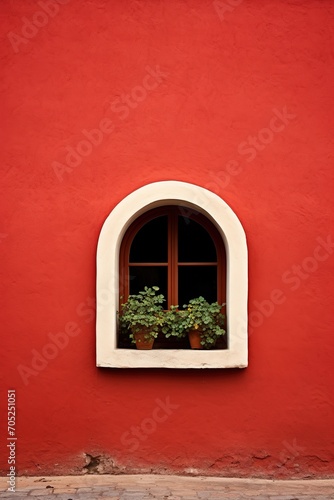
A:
{"x":148,"y":487}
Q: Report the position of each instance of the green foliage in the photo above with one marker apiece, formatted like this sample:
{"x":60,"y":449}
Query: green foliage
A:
{"x":174,"y":323}
{"x":143,"y":310}
{"x":205,"y":317}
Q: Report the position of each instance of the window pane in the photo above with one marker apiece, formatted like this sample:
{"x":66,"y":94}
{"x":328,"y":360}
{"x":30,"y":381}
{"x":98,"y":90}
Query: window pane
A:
{"x":195,"y":243}
{"x":150,"y":243}
{"x":141,"y":276}
{"x":195,"y":281}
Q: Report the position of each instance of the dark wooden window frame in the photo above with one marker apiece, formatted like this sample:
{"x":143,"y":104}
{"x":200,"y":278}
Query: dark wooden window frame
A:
{"x":173,"y":212}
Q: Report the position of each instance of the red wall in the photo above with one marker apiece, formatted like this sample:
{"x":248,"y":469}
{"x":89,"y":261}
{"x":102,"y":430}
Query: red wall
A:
{"x":209,"y":115}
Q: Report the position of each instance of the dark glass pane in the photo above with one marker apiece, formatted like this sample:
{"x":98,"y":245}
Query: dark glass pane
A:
{"x":195,"y":243}
{"x":195,"y":281}
{"x":151,"y":242}
{"x":141,"y":276}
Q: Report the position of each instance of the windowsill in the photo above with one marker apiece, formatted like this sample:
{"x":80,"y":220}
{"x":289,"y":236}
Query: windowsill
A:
{"x":174,"y":358}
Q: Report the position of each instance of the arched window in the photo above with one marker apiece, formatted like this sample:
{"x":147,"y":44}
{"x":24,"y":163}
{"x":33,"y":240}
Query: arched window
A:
{"x":182,"y":238}
{"x":180,"y":251}
{"x":182,"y":254}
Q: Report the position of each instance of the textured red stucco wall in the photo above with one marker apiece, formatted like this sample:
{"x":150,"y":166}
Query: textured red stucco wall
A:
{"x":234,"y":96}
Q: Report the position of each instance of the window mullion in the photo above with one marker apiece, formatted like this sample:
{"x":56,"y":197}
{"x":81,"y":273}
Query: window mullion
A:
{"x":173,"y":257}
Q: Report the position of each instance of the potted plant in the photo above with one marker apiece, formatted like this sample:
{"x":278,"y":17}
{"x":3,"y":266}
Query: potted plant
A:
{"x":204,"y":323}
{"x":142,"y":314}
{"x":174,"y":323}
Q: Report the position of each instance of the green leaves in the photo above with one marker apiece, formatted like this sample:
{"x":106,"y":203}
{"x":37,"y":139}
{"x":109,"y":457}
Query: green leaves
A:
{"x":145,"y":310}
{"x":174,"y":323}
{"x":207,"y":318}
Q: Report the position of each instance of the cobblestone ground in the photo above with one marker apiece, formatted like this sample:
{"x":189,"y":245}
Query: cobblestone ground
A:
{"x":148,"y":487}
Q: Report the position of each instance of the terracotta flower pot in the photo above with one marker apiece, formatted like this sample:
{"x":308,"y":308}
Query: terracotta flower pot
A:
{"x":141,"y":341}
{"x":195,"y":339}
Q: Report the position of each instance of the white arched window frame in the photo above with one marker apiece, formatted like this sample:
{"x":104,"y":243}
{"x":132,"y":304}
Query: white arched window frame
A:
{"x":222,"y":216}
